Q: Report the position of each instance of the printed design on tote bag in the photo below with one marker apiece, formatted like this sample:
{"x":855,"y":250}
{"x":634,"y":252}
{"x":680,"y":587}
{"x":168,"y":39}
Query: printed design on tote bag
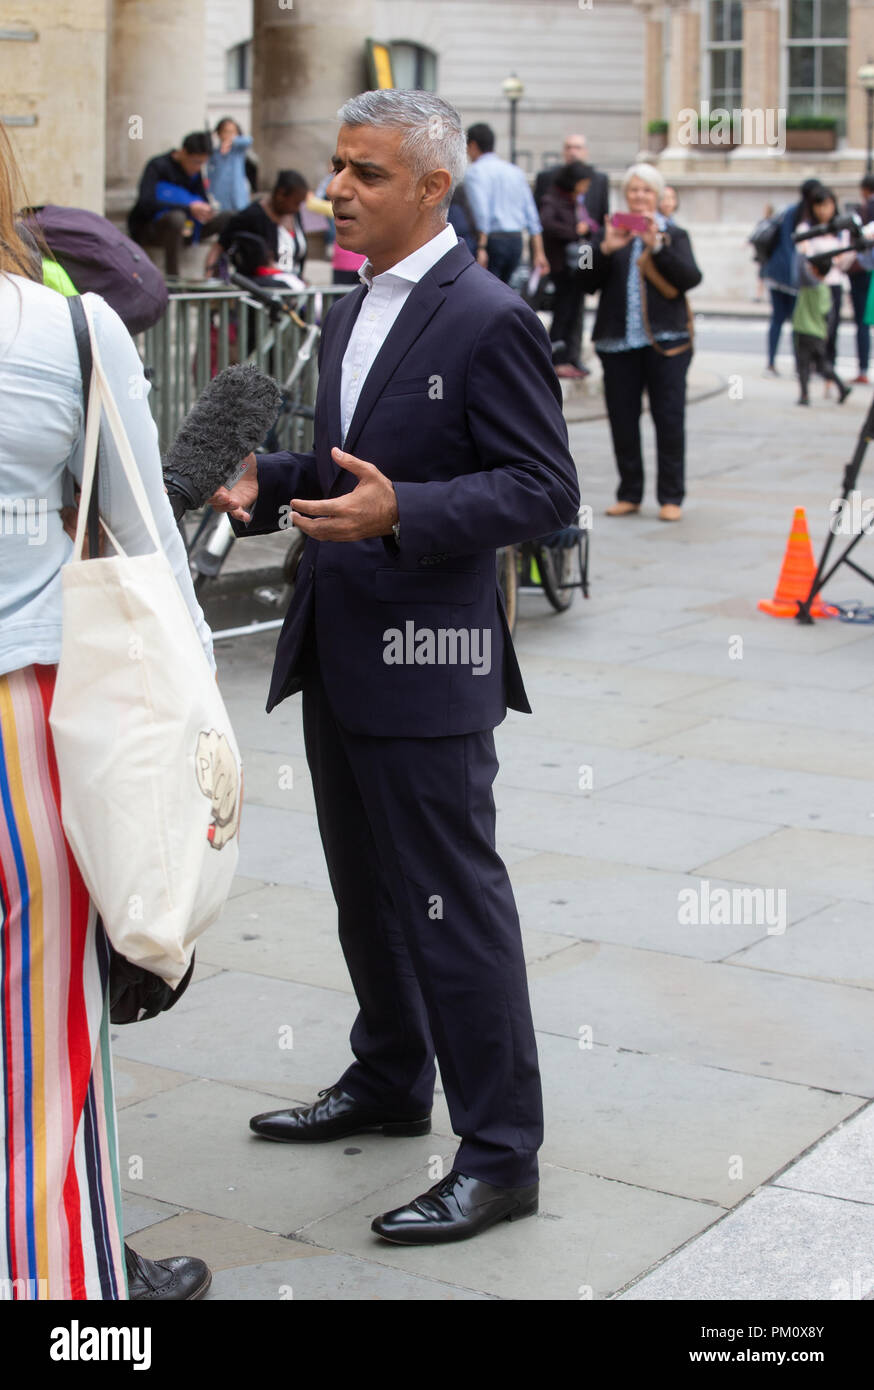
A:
{"x":217,"y":777}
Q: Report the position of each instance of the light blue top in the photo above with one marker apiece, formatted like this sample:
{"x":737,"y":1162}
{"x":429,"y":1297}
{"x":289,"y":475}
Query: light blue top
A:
{"x":499,"y":196}
{"x":42,"y":433}
{"x":227,"y":175}
{"x":635,"y":333}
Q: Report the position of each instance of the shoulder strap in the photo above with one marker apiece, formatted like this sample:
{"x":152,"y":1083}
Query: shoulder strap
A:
{"x":83,"y":347}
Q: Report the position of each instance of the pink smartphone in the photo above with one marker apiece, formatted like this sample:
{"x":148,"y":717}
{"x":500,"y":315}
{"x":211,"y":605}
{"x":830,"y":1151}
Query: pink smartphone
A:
{"x":632,"y":221}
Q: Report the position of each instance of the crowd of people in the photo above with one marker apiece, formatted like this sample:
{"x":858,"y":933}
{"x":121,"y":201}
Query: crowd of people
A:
{"x":807,"y":278}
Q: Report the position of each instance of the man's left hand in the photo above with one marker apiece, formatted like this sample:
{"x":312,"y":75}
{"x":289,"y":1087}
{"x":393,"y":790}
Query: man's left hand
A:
{"x":370,"y":509}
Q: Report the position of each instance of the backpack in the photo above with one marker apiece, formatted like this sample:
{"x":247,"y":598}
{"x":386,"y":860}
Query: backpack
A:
{"x":764,"y":237}
{"x":100,"y":258}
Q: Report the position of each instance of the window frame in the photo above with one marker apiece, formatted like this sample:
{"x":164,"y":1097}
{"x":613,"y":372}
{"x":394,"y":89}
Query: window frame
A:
{"x":710,"y":46}
{"x":817,"y":90}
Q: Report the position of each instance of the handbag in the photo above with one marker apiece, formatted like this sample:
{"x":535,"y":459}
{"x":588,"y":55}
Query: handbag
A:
{"x":149,"y":769}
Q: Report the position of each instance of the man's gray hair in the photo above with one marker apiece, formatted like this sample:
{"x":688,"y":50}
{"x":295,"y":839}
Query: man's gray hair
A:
{"x":435,"y":139}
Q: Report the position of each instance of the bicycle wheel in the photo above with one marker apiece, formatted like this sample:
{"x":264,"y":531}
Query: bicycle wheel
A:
{"x":508,"y":582}
{"x":556,"y":565}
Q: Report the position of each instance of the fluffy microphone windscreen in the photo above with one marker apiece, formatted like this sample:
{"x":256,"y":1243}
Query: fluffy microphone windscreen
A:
{"x":230,"y":417}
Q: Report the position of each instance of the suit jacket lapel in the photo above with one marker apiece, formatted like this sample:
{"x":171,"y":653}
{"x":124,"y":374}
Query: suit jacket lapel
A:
{"x":329,"y":379}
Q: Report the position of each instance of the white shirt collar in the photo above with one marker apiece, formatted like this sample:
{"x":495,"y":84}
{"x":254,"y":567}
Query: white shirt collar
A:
{"x":417,"y":264}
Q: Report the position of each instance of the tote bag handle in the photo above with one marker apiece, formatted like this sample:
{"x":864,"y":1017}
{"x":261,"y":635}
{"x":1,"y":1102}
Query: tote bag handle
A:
{"x":99,"y":393}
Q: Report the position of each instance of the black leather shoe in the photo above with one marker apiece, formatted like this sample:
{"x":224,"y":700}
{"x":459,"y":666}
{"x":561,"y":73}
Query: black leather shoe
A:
{"x":334,"y":1116}
{"x":455,"y":1208}
{"x":175,"y":1280}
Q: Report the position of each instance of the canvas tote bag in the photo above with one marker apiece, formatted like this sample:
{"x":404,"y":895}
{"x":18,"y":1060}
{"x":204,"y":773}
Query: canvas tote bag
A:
{"x":149,"y":768}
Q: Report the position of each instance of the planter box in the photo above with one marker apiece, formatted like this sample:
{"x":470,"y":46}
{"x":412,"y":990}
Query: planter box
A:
{"x":656,"y":141}
{"x":811,"y":139}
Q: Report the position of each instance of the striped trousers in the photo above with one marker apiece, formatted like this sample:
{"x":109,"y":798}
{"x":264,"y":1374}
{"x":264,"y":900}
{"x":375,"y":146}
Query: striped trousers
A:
{"x":60,"y":1236}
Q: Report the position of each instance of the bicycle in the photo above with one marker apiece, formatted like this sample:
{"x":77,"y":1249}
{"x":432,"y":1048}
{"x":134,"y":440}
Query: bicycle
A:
{"x":555,"y":565}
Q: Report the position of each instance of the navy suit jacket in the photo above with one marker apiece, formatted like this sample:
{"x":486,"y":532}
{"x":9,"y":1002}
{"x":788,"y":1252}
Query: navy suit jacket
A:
{"x":462,"y":411}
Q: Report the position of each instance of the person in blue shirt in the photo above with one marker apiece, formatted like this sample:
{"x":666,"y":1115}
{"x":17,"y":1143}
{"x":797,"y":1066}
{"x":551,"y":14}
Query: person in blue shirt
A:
{"x":227,"y":166}
{"x":503,"y":207}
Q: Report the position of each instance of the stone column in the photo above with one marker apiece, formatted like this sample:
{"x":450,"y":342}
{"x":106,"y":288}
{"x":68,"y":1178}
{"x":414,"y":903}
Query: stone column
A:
{"x":761,"y":55}
{"x":653,"y":66}
{"x":860,"y":50}
{"x":53,"y":85}
{"x":307,"y":60}
{"x":684,"y":87}
{"x":156,"y":88}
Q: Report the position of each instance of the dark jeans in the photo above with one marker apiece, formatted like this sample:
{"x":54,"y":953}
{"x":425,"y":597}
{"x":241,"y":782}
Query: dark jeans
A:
{"x":626,"y":374}
{"x":860,"y":283}
{"x":167,"y":231}
{"x":811,"y":352}
{"x":567,"y":316}
{"x":834,"y":322}
{"x":505,"y":252}
{"x":782,"y":308}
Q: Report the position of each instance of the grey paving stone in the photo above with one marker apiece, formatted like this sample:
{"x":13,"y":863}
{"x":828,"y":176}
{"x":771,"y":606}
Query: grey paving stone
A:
{"x":335,"y":1277}
{"x":139,"y":1215}
{"x":587,"y":899}
{"x":198,"y":1153}
{"x":695,"y":1131}
{"x":555,"y":673}
{"x":832,"y":944}
{"x":588,"y":1234}
{"x":842,"y":1165}
{"x":806,"y":800}
{"x":790,"y":746}
{"x":277,"y":779}
{"x":234,"y":1027}
{"x":842,"y":670}
{"x":778,"y":1245}
{"x":554,"y":764}
{"x":609,"y":830}
{"x":813,"y":1033}
{"x":606,"y":721}
{"x":818,"y":860}
{"x":135,"y":1081}
{"x":282,"y":847}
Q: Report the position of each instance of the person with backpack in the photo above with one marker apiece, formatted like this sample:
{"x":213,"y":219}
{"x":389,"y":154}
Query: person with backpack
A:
{"x":781,"y":265}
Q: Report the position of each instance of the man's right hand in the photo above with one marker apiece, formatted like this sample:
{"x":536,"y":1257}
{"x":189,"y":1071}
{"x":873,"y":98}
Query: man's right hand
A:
{"x":239,"y":500}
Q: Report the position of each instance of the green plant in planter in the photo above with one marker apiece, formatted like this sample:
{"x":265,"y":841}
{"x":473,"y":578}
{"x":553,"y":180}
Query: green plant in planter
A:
{"x":657,"y":128}
{"x":811,"y":122}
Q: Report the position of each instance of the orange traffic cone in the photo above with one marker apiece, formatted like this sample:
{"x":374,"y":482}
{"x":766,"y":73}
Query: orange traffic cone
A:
{"x":796,"y":576}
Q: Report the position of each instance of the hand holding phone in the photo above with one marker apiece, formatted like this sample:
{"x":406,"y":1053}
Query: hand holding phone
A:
{"x":634,"y":222}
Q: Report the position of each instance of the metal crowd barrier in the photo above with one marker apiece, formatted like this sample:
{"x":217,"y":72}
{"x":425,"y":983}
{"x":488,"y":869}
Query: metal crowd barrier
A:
{"x":209,"y":327}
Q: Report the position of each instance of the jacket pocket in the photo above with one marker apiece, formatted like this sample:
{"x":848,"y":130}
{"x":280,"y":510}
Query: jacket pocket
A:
{"x":445,"y":586}
{"x":412,"y":386}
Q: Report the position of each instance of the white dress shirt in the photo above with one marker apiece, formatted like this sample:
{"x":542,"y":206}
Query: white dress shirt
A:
{"x":386,"y":296}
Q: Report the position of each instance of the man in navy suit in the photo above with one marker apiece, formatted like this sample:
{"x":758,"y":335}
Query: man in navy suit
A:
{"x":439,"y":437}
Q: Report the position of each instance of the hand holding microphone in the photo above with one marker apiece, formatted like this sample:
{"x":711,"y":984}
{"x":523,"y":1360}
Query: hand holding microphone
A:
{"x":239,"y":499}
{"x":213,"y":448}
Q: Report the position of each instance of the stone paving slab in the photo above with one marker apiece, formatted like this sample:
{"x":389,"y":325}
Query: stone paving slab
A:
{"x":818,"y":860}
{"x":779,"y":1245}
{"x":833,"y":944}
{"x":630,"y":834}
{"x":804,"y":800}
{"x":335,"y":1277}
{"x":675,"y":1127}
{"x":841,"y":1166}
{"x":198,"y":1153}
{"x":753,"y":742}
{"x":763,"y":1024}
{"x":587,"y":899}
{"x":588,"y":1232}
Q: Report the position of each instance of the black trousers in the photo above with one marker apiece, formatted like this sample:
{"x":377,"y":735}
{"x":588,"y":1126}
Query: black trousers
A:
{"x":626,"y":374}
{"x":430,"y":933}
{"x":505,"y":252}
{"x":567,"y":316}
{"x":812,"y":353}
{"x":167,"y":231}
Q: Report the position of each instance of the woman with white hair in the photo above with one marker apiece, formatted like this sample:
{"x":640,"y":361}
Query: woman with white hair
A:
{"x":643,"y":336}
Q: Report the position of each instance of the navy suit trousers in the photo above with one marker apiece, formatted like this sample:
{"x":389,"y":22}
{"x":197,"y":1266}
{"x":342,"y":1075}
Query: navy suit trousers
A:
{"x":430,"y":933}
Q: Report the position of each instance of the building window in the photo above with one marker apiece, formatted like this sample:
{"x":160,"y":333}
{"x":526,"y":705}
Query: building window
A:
{"x":238,"y":67}
{"x":414,"y":67}
{"x":817,"y":59}
{"x":725,"y":54}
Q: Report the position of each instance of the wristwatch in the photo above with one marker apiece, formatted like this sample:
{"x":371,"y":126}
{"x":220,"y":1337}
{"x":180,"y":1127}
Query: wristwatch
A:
{"x":396,"y":532}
